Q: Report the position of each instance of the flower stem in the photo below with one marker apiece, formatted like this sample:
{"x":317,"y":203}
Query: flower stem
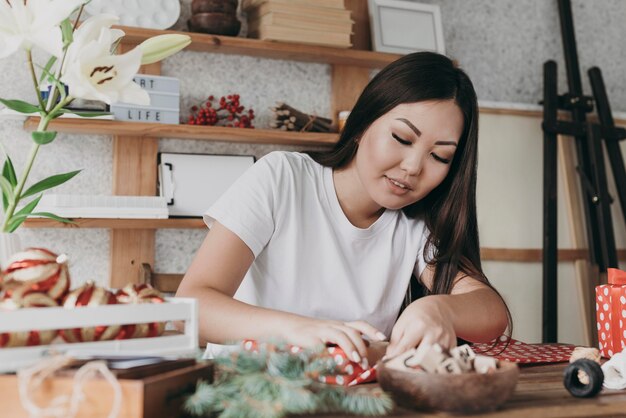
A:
{"x":55,"y":91}
{"x":33,"y":75}
{"x":42,"y":127}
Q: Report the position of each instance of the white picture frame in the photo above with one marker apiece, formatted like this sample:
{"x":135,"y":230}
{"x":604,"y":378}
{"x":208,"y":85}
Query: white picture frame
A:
{"x":403,"y":27}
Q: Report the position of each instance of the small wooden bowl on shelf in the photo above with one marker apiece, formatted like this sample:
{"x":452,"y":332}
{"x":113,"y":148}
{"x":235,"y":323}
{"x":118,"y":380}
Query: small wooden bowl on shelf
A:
{"x":217,"y":17}
{"x":467,"y":393}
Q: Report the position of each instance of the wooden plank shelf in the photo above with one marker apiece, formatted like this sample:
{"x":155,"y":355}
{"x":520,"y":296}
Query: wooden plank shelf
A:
{"x":268,"y":49}
{"x":205,"y":133}
{"x":534,"y":255}
{"x":172,"y":223}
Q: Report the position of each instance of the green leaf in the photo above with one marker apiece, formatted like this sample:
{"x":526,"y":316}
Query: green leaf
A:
{"x":7,"y":191}
{"x":55,"y":81}
{"x":26,"y":210}
{"x":67,"y":30}
{"x":85,"y":114}
{"x":46,"y":69}
{"x":16,"y":221}
{"x":53,"y":216}
{"x":8,"y":171}
{"x":43,"y":137}
{"x":20,"y":106}
{"x":49,"y":183}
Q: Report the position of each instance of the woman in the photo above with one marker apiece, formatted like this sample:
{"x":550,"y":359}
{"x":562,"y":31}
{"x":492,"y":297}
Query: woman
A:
{"x":320,"y":247}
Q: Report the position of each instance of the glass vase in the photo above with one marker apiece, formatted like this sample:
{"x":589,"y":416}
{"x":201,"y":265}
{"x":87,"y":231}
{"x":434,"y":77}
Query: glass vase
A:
{"x":10,"y":244}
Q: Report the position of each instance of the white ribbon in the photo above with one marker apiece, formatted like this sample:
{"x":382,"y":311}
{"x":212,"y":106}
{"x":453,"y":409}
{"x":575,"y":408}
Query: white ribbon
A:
{"x":615,"y":371}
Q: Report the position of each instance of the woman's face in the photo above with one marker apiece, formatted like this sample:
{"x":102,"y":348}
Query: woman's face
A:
{"x":407,"y":152}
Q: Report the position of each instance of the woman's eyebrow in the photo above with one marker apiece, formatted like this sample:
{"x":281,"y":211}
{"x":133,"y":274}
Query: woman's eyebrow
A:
{"x":446,"y":143}
{"x":413,"y":128}
{"x":419,"y":133}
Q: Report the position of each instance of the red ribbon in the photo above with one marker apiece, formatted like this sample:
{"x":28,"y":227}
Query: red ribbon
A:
{"x":616,"y":277}
{"x":616,"y":313}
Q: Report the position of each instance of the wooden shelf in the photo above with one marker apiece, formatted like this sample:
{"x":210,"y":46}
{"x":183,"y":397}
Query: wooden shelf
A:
{"x":267,"y":49}
{"x":206,"y":133}
{"x":535,"y":255}
{"x":524,"y":255}
{"x":183,"y":223}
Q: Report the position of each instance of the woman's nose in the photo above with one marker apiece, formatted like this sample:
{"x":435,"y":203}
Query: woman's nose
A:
{"x":413,"y":162}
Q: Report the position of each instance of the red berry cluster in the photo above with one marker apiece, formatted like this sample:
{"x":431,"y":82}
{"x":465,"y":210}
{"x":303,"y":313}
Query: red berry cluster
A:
{"x":228,"y":112}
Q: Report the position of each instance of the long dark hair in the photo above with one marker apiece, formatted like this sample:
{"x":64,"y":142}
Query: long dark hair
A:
{"x":449,"y":211}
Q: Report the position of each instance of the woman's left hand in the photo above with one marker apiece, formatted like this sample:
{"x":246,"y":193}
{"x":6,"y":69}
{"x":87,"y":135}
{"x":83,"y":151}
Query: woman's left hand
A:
{"x":427,"y":320}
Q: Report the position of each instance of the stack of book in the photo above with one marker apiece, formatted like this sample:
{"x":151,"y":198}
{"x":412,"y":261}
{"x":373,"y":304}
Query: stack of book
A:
{"x":164,"y":104}
{"x":317,"y":22}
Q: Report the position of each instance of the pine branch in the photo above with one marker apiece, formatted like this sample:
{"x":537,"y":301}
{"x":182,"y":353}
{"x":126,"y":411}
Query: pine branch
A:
{"x":375,"y":401}
{"x":275,"y":382}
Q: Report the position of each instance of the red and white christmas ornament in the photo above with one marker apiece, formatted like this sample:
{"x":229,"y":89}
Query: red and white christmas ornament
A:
{"x":90,"y":295}
{"x":26,"y":338}
{"x":36,"y":270}
{"x":140,"y":293}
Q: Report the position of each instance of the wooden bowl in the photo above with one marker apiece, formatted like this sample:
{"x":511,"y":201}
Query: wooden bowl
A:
{"x":214,"y":23}
{"x":214,"y":6}
{"x":459,"y":393}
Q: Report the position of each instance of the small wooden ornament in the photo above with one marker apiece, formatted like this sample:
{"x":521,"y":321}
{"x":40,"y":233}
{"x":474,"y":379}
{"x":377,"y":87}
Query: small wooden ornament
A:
{"x":464,"y":356}
{"x":404,"y":361}
{"x":485,"y":364}
{"x":449,"y":366}
{"x":429,"y":357}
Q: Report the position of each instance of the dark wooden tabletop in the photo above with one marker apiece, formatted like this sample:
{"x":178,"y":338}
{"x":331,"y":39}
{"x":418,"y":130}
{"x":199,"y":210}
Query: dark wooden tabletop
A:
{"x":540,"y":393}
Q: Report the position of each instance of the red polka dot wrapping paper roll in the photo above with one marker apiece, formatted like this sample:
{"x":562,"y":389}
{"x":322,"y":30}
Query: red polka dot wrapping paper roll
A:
{"x":611,"y":313}
{"x":347,"y":372}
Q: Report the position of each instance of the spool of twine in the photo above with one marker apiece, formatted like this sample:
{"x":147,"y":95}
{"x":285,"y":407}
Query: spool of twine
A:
{"x":31,"y":378}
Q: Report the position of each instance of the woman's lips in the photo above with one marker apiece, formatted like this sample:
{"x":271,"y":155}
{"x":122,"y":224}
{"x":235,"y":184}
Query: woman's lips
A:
{"x":397,"y":187}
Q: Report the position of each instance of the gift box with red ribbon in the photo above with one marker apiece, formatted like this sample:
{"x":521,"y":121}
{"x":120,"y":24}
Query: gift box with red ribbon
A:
{"x":611,"y":313}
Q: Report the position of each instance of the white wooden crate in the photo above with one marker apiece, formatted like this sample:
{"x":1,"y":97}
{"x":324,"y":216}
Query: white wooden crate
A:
{"x":174,"y":309}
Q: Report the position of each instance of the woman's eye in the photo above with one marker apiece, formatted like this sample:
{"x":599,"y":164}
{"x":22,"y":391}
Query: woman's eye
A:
{"x":400,"y":140}
{"x":440,"y":159}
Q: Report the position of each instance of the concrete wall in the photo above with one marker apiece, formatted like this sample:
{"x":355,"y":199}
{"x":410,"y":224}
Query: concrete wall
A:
{"x":502,"y":46}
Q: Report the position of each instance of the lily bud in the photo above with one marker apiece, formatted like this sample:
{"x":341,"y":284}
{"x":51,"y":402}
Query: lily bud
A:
{"x":162,"y":46}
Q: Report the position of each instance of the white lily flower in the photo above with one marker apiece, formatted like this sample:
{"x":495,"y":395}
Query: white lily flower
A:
{"x":91,"y":72}
{"x":93,"y":29}
{"x":24,"y":24}
{"x":160,"y":47}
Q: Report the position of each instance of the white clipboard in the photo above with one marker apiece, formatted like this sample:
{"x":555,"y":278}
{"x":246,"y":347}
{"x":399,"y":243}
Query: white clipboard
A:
{"x":191,"y":183}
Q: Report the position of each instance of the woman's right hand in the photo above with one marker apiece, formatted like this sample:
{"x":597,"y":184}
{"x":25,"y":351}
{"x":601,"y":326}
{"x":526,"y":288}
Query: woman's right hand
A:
{"x":308,"y":332}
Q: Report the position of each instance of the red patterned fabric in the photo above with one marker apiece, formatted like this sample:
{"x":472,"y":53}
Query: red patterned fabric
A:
{"x":523,"y":353}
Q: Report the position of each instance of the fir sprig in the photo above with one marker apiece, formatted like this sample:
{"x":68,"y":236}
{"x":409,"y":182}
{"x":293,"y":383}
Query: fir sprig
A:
{"x":275,"y":382}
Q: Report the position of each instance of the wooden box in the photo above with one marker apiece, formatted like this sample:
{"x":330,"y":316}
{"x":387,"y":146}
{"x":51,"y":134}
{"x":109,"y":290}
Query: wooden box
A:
{"x":155,"y":396}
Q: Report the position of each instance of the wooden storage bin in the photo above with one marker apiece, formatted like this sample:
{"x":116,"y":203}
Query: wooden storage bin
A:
{"x":157,"y":396}
{"x":168,"y":344}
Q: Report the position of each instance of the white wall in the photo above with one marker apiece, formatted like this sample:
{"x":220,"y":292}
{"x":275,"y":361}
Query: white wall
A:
{"x":510,"y":204}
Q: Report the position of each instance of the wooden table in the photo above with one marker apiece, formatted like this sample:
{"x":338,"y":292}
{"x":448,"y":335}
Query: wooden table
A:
{"x":540,"y":393}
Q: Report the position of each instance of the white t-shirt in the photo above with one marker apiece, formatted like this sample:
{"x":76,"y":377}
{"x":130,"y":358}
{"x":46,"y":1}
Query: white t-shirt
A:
{"x":309,"y":259}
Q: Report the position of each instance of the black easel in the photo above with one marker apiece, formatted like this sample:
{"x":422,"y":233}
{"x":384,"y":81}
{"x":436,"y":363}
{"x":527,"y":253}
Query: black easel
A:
{"x":589,"y":137}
